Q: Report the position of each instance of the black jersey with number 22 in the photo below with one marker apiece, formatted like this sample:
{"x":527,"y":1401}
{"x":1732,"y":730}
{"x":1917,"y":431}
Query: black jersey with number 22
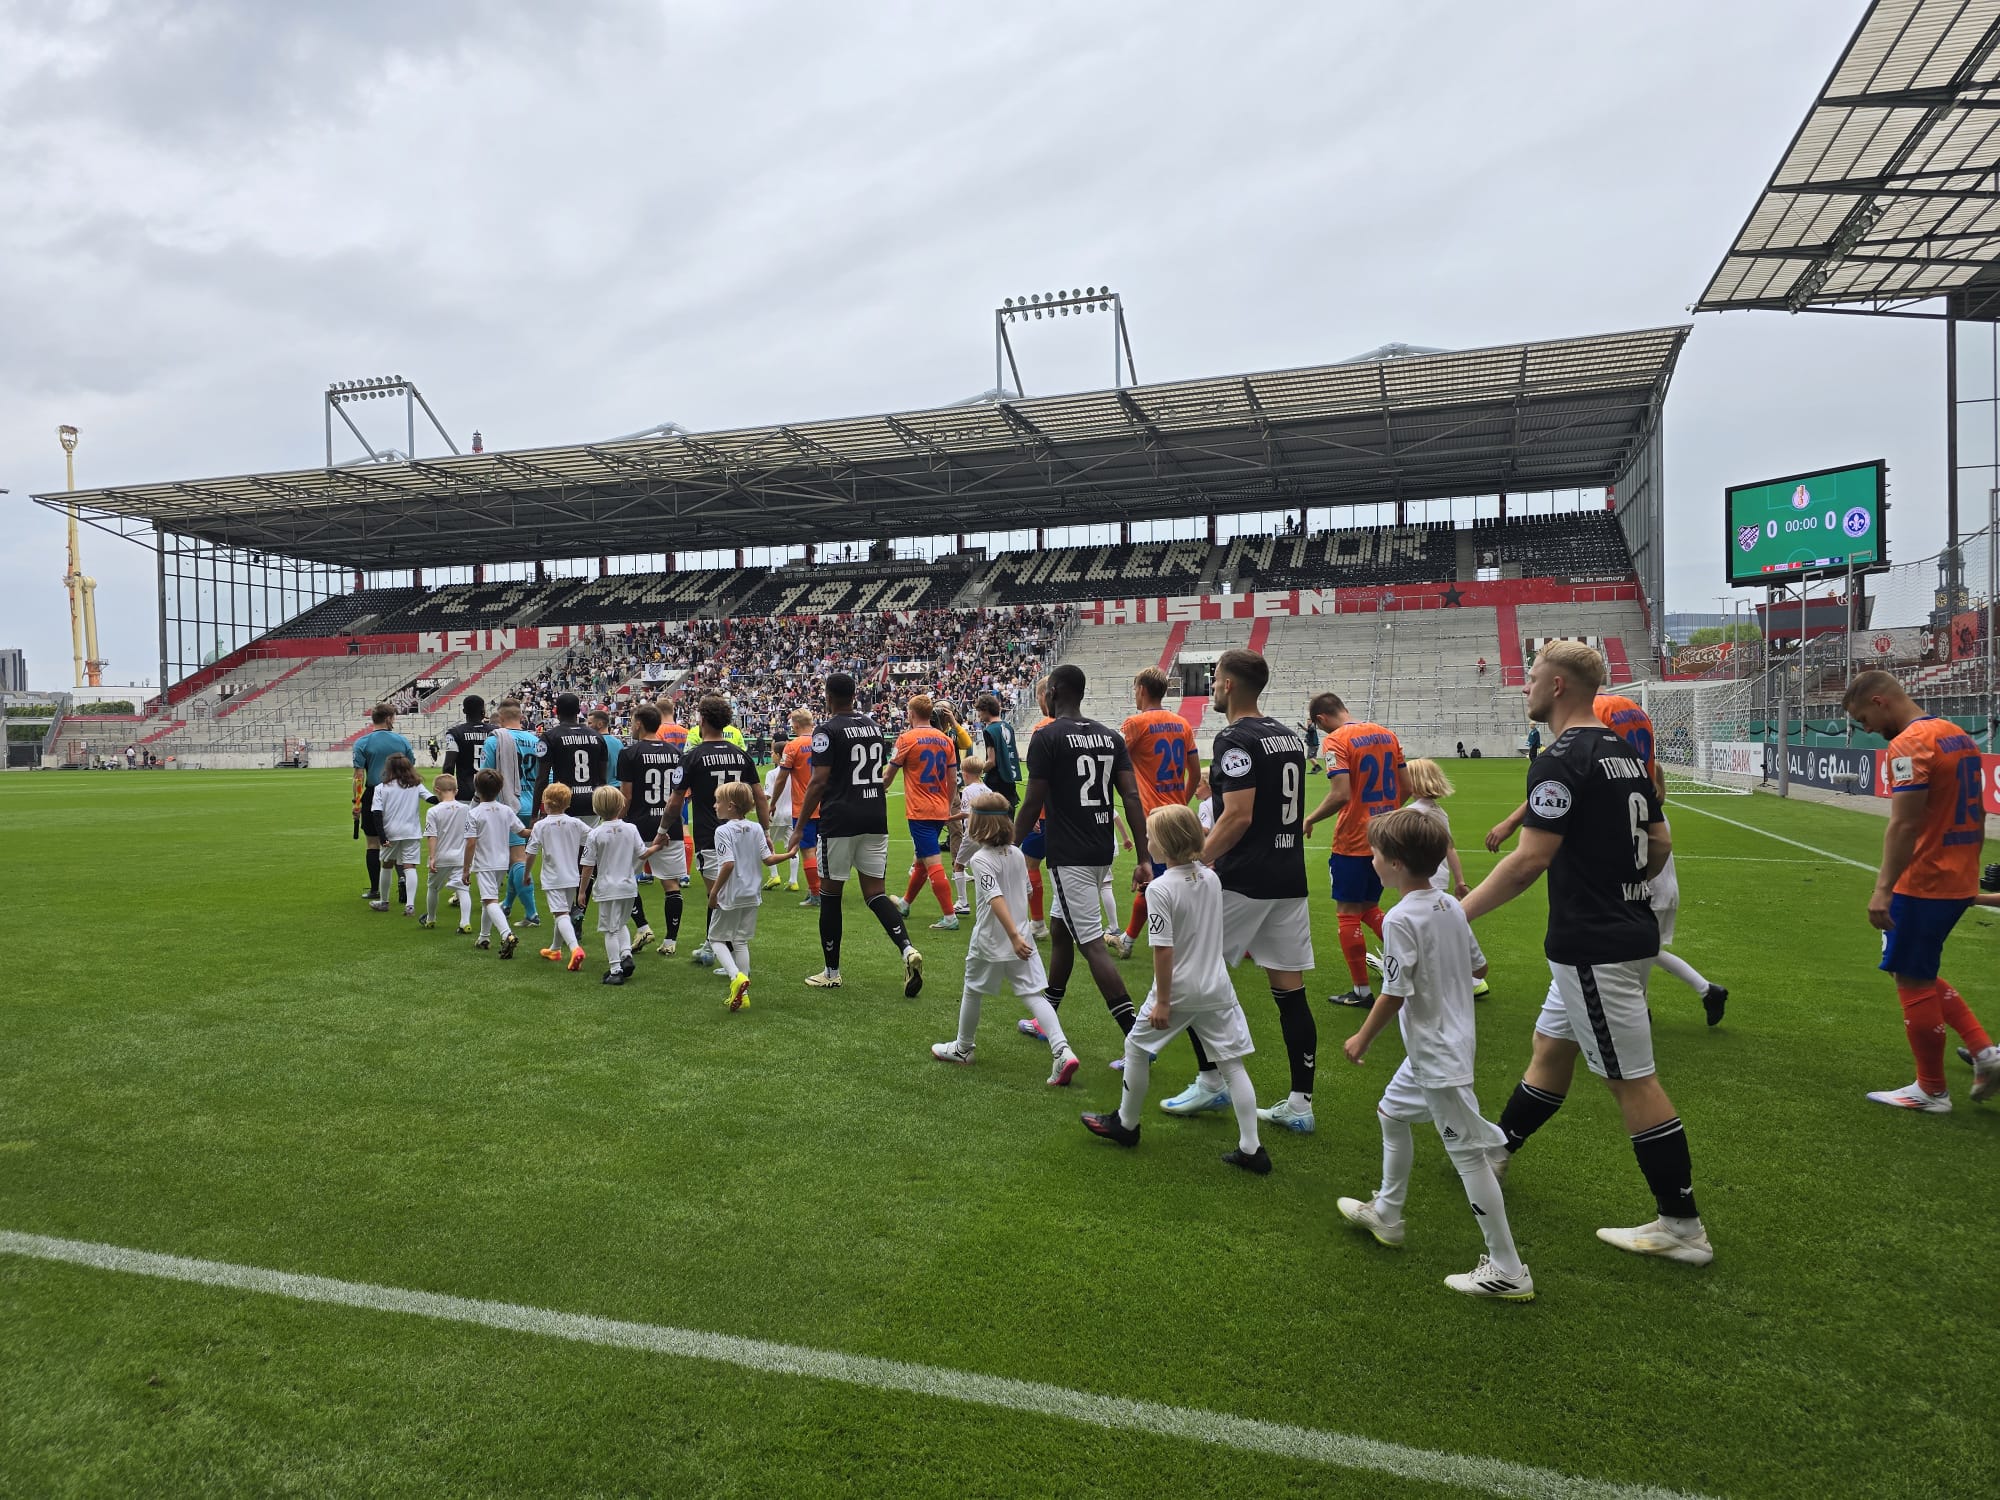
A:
{"x":1081,"y":762}
{"x":851,"y":748}
{"x":1590,"y":788}
{"x":1263,"y":756}
{"x":654,"y":769}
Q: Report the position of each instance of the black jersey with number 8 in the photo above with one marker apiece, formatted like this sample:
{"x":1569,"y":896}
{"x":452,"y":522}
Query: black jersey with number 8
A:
{"x":1263,"y":756}
{"x":1081,"y":762}
{"x":856,"y":757}
{"x":576,"y":756}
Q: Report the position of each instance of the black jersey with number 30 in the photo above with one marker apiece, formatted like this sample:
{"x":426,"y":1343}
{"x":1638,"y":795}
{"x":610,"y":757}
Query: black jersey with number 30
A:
{"x":654,"y":769}
{"x":856,"y":757}
{"x":1269,"y":862}
{"x":1592,"y":790}
{"x":1080,"y":761}
{"x":575,"y":755}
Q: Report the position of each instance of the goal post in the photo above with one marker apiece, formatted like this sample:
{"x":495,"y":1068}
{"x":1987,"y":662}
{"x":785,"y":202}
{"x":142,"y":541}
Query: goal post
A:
{"x":1707,"y":737}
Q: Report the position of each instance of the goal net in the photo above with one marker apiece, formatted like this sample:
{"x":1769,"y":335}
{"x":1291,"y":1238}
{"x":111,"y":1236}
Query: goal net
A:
{"x":1706,"y":736}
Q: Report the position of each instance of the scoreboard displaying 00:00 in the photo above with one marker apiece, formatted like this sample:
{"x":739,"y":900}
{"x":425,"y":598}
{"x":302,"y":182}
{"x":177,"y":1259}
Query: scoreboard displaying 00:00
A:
{"x":1807,"y":525}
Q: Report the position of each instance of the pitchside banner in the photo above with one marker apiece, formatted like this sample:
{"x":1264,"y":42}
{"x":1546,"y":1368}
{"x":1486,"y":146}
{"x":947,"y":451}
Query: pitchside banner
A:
{"x":1836,"y":770}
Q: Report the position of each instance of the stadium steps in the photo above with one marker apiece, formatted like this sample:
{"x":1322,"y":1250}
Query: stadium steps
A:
{"x":243,"y":700}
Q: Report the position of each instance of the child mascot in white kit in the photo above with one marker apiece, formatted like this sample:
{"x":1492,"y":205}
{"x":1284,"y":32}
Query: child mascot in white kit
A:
{"x":609,"y":868}
{"x":1191,"y":989}
{"x":742,"y":854}
{"x":1429,"y":961}
{"x":558,"y":839}
{"x":445,"y":827}
{"x":1001,"y":954}
{"x":399,"y":798}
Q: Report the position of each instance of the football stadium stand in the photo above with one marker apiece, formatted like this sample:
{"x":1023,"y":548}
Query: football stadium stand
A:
{"x":1062,"y":574}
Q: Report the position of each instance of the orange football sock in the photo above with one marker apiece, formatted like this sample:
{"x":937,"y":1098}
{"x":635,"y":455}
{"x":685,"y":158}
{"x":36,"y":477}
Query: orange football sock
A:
{"x":1138,"y":923}
{"x":1959,"y":1017}
{"x":916,"y":885}
{"x":1035,"y":892}
{"x":941,"y":888}
{"x":1373,"y":917}
{"x":1354,"y":948}
{"x":812,"y":873}
{"x":1923,"y":1024}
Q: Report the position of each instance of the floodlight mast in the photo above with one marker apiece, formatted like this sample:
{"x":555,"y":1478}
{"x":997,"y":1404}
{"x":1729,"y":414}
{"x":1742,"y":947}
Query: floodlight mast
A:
{"x":1078,"y":300}
{"x":375,"y":388}
{"x":89,"y":667}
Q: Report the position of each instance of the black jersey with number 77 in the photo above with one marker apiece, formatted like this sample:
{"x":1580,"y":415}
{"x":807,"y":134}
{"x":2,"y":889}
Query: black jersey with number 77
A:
{"x":1268,"y":758}
{"x":1080,"y":761}
{"x":851,"y":748}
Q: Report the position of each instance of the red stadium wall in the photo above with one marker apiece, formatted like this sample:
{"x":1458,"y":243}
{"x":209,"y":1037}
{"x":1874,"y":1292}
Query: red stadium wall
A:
{"x":1350,"y":601}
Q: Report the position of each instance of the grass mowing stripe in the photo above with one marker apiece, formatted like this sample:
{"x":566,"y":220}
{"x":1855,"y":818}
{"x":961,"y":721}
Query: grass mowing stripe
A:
{"x":1753,"y":828}
{"x":1486,"y":1475}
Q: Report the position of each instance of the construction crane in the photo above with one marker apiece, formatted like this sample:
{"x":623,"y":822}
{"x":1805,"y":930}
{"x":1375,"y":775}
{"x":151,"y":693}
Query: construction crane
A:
{"x":82,"y":590}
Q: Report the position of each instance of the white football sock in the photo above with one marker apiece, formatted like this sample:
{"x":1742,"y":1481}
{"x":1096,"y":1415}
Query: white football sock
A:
{"x":432,"y":887}
{"x":1110,"y":897}
{"x":1303,"y":1102}
{"x":1138,"y":1073}
{"x":1242,"y":1099}
{"x":795,"y":870}
{"x":566,"y":931}
{"x":1482,"y":1191}
{"x":968,"y":1018}
{"x":1682,"y":970}
{"x":465,"y":908}
{"x":1398,"y":1151}
{"x":726,"y":956}
{"x":497,"y":919}
{"x":1045,"y":1017}
{"x":410,"y":901}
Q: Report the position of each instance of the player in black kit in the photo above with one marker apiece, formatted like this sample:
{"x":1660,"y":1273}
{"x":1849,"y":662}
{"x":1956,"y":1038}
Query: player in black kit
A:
{"x":709,"y":763}
{"x":574,"y":754}
{"x":1257,"y":780}
{"x":464,"y":742}
{"x":649,"y":770}
{"x":849,"y":757}
{"x":1594,"y":825}
{"x":1079,"y":771}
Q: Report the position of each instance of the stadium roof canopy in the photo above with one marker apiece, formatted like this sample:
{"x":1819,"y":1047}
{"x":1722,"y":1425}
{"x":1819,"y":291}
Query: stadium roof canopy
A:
{"x":1890,"y":191}
{"x":1525,"y":417}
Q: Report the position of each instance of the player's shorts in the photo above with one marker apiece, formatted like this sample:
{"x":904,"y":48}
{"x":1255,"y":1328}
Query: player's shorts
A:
{"x":613,"y":912}
{"x":709,"y":862}
{"x":780,"y":832}
{"x":1914,"y":945}
{"x":489,"y":883}
{"x":371,"y":817}
{"x":1454,"y":1110}
{"x":1666,"y":900}
{"x":1224,"y":1031}
{"x":452,"y":876}
{"x":809,"y":834}
{"x":1602,"y":1008}
{"x":1036,"y":844}
{"x":587,"y":818}
{"x":848,"y":855}
{"x":732,"y":924}
{"x":402,"y":851}
{"x":670,"y":863}
{"x":561,"y":899}
{"x":995,"y":976}
{"x":924,"y":834}
{"x":1354,"y":878}
{"x":1274,"y":933}
{"x":1074,"y":902}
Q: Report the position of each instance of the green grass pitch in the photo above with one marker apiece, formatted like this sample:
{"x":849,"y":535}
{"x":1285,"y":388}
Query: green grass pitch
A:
{"x":210,"y":1047}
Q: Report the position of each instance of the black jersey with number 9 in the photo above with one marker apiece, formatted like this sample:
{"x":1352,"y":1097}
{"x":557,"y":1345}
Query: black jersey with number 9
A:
{"x":1263,"y":756}
{"x":856,"y":757}
{"x":1081,"y":762}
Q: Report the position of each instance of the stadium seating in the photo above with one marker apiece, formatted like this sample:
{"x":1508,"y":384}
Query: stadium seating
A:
{"x":1578,"y":544}
{"x":1125,"y":571}
{"x":477,"y":606}
{"x":1326,"y":559}
{"x":817,"y":591}
{"x":644,"y":597}
{"x":341,"y":613}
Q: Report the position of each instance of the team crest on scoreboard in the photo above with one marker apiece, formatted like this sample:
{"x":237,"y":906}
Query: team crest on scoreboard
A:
{"x":1746,"y":537}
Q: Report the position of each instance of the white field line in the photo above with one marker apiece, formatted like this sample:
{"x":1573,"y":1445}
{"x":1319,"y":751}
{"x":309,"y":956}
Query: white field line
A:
{"x":1681,"y":807}
{"x":1489,"y":1476}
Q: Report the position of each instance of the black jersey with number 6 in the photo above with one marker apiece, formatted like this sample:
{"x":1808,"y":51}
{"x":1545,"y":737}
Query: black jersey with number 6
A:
{"x":856,"y":756}
{"x":1268,"y":758}
{"x":575,"y":755}
{"x":1592,"y":790}
{"x":1081,"y":762}
{"x":707,"y":765}
{"x":654,"y":769}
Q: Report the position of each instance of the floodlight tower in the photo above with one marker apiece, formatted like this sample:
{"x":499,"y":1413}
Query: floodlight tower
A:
{"x":1078,"y":300}
{"x":341,"y":393}
{"x":82,"y":590}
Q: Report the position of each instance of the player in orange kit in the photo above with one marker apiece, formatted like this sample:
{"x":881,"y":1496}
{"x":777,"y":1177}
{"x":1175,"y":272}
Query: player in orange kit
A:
{"x":927,"y":759}
{"x":1364,"y":764}
{"x":1168,"y":764}
{"x":796,"y":761}
{"x":1929,"y":876}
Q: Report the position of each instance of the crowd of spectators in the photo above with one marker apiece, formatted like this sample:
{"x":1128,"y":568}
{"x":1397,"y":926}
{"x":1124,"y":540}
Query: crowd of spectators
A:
{"x":767,"y":668}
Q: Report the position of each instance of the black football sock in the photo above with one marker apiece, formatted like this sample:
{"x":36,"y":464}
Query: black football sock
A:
{"x":1201,"y":1059}
{"x":1120,"y":1007}
{"x":639,"y":912}
{"x":375,"y":872}
{"x":1054,"y":994}
{"x":829,"y":931}
{"x":1663,"y":1157}
{"x":1528,"y":1110}
{"x":1301,"y":1033}
{"x":891,"y":920}
{"x":670,"y":913}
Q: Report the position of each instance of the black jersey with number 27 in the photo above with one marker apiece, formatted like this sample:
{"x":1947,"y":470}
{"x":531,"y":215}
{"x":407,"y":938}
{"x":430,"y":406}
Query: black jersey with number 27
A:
{"x":1263,"y":756}
{"x":1589,"y":788}
{"x":654,"y":769}
{"x":851,"y":748}
{"x":1081,"y":762}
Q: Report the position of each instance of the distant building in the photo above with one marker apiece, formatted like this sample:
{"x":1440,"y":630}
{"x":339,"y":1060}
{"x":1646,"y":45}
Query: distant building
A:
{"x":13,"y":670}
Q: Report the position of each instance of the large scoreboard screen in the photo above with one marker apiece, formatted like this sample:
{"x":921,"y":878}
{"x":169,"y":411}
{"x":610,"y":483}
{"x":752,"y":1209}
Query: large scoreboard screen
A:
{"x":1807,"y":525}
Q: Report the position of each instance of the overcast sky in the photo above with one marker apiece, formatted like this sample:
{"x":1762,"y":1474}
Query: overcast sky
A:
{"x":569,"y":222}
